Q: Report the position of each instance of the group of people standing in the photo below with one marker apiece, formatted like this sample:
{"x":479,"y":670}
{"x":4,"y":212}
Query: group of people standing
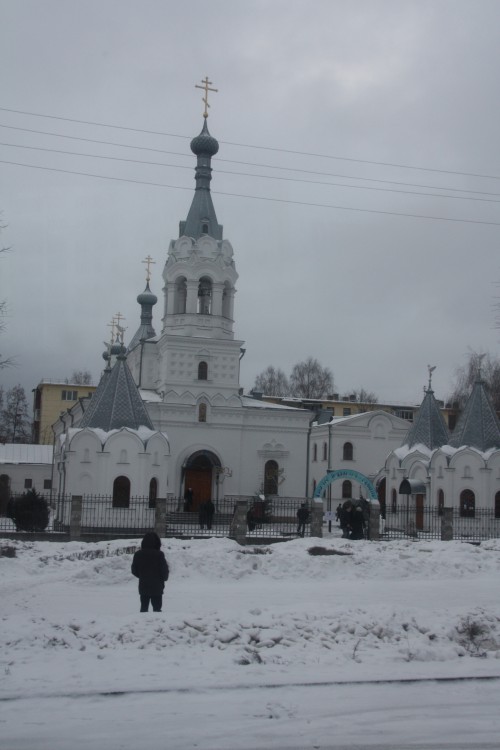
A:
{"x":351,"y":520}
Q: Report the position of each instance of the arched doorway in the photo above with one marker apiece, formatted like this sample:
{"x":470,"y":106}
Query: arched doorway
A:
{"x":199,"y":471}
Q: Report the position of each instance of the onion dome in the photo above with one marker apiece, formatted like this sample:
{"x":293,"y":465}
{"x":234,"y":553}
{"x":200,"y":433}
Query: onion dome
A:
{"x":204,"y":144}
{"x":147,"y":297}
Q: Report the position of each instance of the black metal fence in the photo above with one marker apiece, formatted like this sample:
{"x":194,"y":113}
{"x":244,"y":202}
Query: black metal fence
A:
{"x":201,"y":522}
{"x":277,"y":517}
{"x":416,"y":521}
{"x":100,"y":515}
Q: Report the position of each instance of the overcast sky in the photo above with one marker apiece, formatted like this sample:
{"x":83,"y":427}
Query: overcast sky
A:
{"x":342,"y":126}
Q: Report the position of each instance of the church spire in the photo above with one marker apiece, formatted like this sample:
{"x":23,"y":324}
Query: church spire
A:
{"x":478,"y":425}
{"x":429,"y":427}
{"x":147,"y":300}
{"x":201,"y":218}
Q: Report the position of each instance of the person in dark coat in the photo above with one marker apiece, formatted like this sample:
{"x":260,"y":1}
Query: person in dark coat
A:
{"x":345,"y":519}
{"x":188,"y":500}
{"x":150,"y":567}
{"x":303,"y":518}
{"x":202,"y":515}
{"x":209,"y":513}
{"x":357,"y":523}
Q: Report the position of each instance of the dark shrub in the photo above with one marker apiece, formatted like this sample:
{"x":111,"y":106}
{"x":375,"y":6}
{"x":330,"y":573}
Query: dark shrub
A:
{"x":30,"y":512}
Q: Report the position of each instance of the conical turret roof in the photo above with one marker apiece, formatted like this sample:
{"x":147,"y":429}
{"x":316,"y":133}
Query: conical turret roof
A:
{"x":429,"y":427}
{"x":145,"y":331}
{"x":117,"y":403}
{"x":201,"y":218}
{"x":478,"y":425}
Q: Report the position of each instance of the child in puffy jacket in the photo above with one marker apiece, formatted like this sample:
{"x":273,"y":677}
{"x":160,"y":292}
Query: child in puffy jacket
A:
{"x":150,"y":567}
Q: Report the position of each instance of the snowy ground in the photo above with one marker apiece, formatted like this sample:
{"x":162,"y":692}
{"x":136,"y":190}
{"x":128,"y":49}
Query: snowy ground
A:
{"x":279,"y":649}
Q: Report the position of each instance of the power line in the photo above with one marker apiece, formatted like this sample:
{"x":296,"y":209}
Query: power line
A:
{"x":249,"y":174}
{"x":250,"y":164}
{"x":259,"y":197}
{"x":250,"y":145}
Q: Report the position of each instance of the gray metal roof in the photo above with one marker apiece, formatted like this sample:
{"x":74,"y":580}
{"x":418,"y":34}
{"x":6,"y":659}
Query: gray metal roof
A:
{"x":201,"y":218}
{"x":429,"y":427}
{"x":145,"y":331}
{"x":478,"y":425}
{"x":116,"y":402}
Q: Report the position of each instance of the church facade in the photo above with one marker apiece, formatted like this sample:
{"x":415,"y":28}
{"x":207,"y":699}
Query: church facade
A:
{"x":208,"y":438}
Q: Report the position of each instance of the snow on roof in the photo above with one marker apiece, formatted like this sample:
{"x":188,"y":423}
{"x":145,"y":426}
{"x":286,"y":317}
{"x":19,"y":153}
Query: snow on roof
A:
{"x":25,"y":453}
{"x":149,"y":395}
{"x":256,"y":403}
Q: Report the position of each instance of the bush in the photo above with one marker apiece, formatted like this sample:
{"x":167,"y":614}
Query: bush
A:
{"x":30,"y":512}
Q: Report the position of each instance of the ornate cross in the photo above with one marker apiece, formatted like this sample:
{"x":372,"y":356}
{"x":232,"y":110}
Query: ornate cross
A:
{"x":206,"y":86}
{"x":148,"y":262}
{"x":120,"y":330}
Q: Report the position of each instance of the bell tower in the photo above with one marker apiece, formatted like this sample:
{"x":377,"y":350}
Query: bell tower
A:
{"x":197,"y":349}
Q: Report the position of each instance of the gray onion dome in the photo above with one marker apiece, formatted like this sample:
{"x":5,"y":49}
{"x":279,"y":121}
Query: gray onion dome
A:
{"x":147,"y":297}
{"x":204,"y":144}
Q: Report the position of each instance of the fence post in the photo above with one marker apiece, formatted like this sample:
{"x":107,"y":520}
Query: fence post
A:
{"x":238,"y":526}
{"x":317,"y":518}
{"x":75,"y":521}
{"x":161,"y":516}
{"x":447,"y":525}
{"x":374,"y":522}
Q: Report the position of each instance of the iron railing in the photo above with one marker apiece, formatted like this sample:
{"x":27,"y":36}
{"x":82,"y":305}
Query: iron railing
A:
{"x":59,"y":513}
{"x":103,"y":515}
{"x":199,"y":523}
{"x":276,"y":517}
{"x":415,"y":521}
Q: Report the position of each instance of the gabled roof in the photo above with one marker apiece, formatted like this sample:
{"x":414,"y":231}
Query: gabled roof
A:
{"x":117,"y":402}
{"x":478,"y":425}
{"x":429,"y":427}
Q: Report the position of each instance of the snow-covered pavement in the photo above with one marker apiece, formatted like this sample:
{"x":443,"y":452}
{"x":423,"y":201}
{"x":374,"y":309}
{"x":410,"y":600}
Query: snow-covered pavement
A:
{"x":255,"y":648}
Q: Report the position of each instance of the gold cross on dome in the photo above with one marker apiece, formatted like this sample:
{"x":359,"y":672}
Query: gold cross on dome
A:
{"x":206,"y":86}
{"x":148,"y":262}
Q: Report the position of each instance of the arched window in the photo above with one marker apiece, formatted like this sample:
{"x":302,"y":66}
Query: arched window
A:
{"x":202,"y":412}
{"x":202,"y":371}
{"x":153,"y":492}
{"x":315,"y":452}
{"x":204,"y":228}
{"x":205,"y":296}
{"x":467,"y":504}
{"x":440,"y":502}
{"x":325,"y":451}
{"x":314,"y":486}
{"x":394,"y":501}
{"x":123,"y":457}
{"x":180,"y":296}
{"x":86,"y":456}
{"x":271,"y":473}
{"x":121,"y":492}
{"x":497,"y":505}
{"x":348,"y":452}
{"x":347,"y":488}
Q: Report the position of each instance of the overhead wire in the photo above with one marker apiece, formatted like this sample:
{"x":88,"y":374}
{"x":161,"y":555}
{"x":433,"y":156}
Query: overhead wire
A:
{"x":254,"y":146}
{"x":250,"y":164}
{"x":248,"y":174}
{"x":260,"y":197}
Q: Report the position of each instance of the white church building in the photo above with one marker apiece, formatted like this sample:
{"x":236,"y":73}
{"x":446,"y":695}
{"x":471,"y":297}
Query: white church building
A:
{"x":194,"y":428}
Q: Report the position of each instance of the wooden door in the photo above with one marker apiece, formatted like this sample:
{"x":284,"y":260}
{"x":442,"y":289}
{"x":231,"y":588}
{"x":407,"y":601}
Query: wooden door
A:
{"x":200,"y":481}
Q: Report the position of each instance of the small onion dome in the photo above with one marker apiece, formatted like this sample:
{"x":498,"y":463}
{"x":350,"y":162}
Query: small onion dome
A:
{"x":147,"y":297}
{"x":204,"y":144}
{"x":116,"y":349}
{"x":105,"y":355}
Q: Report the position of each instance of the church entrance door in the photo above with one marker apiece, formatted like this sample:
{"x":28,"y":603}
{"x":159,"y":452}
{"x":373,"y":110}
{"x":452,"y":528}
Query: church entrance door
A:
{"x":199,"y":476}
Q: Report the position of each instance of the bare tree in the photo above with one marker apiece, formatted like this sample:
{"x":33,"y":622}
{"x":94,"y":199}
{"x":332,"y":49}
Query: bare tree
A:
{"x":310,"y":380}
{"x":272,"y":382}
{"x":80,"y":377}
{"x":15,"y":425}
{"x":362,"y":396}
{"x":477,"y":364}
